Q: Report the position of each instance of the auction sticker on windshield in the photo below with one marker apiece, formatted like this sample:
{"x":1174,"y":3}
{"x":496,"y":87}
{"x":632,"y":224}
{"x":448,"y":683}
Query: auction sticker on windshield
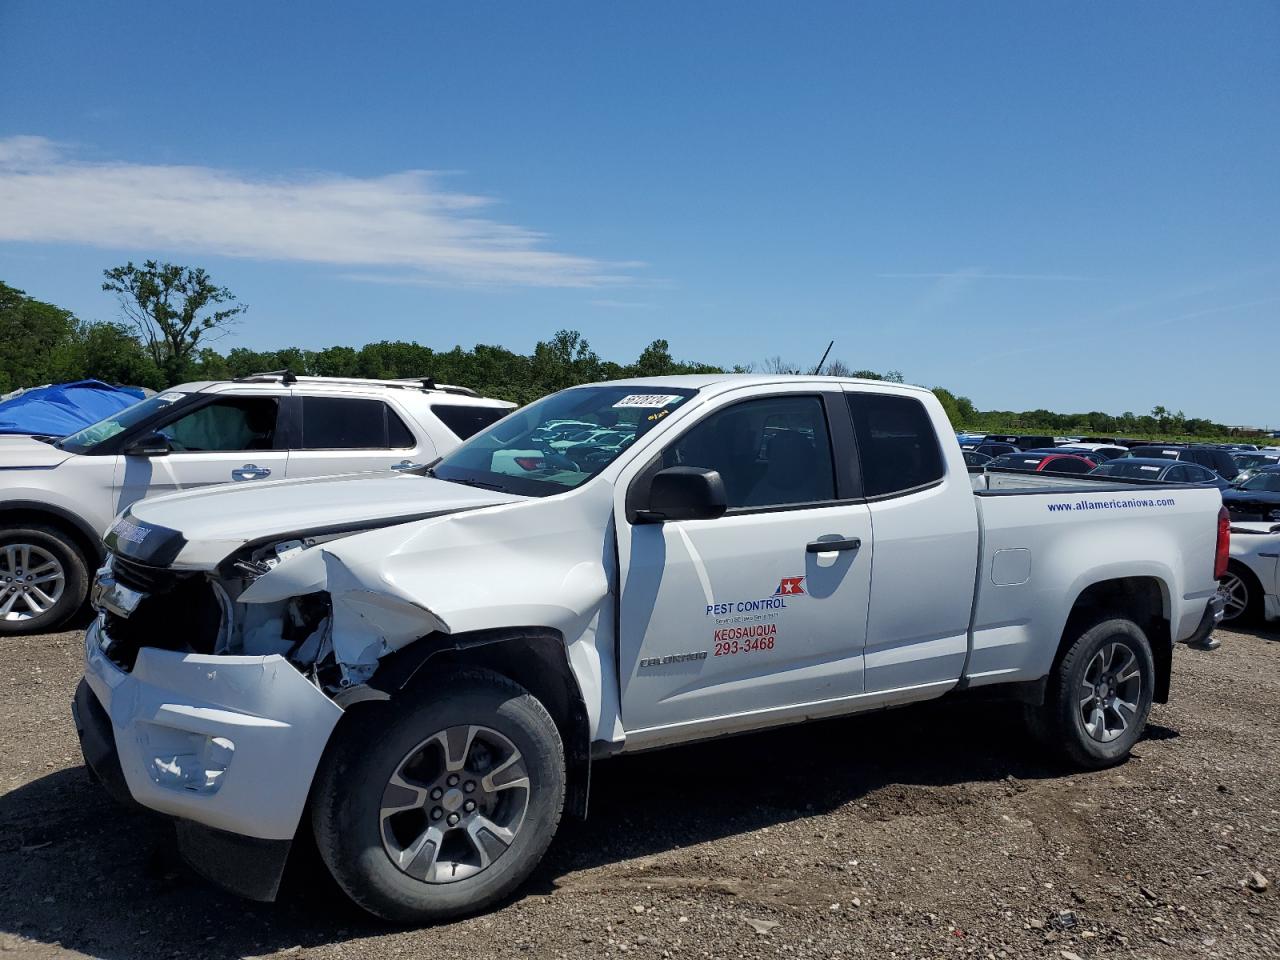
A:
{"x":647,"y":400}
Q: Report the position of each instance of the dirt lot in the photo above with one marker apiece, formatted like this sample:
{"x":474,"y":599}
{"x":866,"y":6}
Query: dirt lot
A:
{"x":924,"y":832}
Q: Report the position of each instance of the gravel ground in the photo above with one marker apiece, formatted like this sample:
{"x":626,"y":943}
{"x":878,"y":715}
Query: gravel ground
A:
{"x":925,"y":832}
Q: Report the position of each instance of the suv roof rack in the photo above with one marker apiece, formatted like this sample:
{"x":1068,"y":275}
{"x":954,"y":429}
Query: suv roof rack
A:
{"x":426,"y":384}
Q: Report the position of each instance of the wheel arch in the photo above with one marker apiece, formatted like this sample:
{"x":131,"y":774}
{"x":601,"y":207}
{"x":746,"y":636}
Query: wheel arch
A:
{"x":1142,"y":599}
{"x":534,"y":657}
{"x":33,"y":511}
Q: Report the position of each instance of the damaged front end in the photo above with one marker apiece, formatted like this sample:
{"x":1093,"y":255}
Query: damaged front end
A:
{"x":213,"y":694}
{"x":291,"y":599}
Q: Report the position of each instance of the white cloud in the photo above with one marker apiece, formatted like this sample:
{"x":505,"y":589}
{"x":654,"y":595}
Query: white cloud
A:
{"x":402,"y":227}
{"x":974,"y":273}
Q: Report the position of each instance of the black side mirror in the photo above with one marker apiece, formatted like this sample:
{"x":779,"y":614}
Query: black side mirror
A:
{"x":149,"y":445}
{"x":684,"y":493}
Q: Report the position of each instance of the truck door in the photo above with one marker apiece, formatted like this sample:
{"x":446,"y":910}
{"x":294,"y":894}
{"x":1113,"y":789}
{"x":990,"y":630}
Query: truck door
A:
{"x":926,"y":529}
{"x":741,"y":618}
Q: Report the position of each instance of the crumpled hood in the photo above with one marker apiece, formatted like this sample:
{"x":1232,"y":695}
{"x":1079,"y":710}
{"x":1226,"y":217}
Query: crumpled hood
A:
{"x":199,"y":528}
{"x":25,"y":452}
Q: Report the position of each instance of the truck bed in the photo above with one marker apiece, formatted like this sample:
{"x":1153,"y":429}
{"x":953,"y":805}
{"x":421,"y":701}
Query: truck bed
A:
{"x":1042,"y":535}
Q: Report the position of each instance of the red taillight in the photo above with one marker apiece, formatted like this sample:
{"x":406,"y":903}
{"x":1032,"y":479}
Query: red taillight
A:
{"x":530,"y":463}
{"x":1224,"y":545}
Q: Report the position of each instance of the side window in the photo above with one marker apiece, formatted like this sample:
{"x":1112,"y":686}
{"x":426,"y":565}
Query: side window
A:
{"x":1179,"y":474}
{"x":399,"y":436}
{"x":343,"y":423}
{"x":770,"y":452}
{"x":897,"y":447}
{"x":1200,"y":475}
{"x":229,"y":423}
{"x":467,"y":421}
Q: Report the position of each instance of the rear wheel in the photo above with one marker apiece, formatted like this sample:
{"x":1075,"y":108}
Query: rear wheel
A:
{"x":43,"y":579}
{"x":442,"y":805}
{"x":1098,"y":696}
{"x":1241,"y":594}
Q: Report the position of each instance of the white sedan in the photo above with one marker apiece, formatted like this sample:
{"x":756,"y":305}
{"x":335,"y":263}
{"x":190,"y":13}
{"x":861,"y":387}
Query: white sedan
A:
{"x":1251,"y":587}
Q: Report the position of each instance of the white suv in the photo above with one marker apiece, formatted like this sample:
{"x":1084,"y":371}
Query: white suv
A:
{"x":57,"y":496}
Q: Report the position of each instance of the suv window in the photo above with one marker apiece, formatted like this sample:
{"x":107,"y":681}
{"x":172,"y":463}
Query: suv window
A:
{"x":228,"y":423}
{"x":769,"y":452}
{"x":897,"y":447}
{"x":466,"y":422}
{"x":349,"y":423}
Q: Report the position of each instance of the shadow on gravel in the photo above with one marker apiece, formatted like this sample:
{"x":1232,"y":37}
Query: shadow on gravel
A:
{"x":79,"y":871}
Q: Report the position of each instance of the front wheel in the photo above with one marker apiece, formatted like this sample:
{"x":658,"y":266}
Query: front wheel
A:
{"x":43,"y":579}
{"x":1098,"y":696}
{"x":442,"y":805}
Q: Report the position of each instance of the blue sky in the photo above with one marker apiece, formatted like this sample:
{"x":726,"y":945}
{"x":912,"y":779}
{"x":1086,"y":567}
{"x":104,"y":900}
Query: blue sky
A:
{"x":1066,"y":205}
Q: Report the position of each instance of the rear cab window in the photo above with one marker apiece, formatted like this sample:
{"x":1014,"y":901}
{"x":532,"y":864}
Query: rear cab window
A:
{"x":897,"y":447}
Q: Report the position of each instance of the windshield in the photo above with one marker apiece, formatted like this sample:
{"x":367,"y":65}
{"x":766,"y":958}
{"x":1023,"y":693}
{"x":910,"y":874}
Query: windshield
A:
{"x":561,"y":441}
{"x":1266,"y":482}
{"x":129,"y":417}
{"x":1246,"y":460}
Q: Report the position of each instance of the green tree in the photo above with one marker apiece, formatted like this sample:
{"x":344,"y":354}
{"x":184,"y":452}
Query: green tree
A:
{"x":34,"y":334}
{"x":175,"y":309}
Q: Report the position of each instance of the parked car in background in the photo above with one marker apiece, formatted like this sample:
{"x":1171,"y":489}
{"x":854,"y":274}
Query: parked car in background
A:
{"x":58,"y":495}
{"x":1251,"y":587}
{"x":973,"y":458}
{"x":991,"y":449}
{"x":1104,"y":451}
{"x":1042,"y":462}
{"x":1219,"y":461}
{"x":1163,"y":471}
{"x":1258,"y":498}
{"x":1021,"y":441}
{"x":1251,"y":463}
{"x":1089,"y":455}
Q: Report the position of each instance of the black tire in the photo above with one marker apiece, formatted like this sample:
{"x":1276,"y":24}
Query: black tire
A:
{"x":1247,"y":583}
{"x":1059,"y":724}
{"x":75,"y":583}
{"x":349,"y":793}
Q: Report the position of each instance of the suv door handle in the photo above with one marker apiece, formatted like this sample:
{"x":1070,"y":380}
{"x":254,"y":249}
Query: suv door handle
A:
{"x":250,"y":471}
{"x":828,"y":546}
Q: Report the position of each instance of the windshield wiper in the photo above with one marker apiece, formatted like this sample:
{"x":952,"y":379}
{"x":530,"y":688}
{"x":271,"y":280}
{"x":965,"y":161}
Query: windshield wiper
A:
{"x":51,"y":441}
{"x":467,"y":481}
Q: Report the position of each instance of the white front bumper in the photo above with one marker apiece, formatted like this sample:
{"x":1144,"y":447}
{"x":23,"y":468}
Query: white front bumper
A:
{"x":230,"y":742}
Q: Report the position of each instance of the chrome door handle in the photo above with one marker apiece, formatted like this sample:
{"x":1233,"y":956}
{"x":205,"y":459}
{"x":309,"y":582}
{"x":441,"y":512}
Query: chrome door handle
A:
{"x":829,"y":546}
{"x":407,"y":465}
{"x":250,"y":471}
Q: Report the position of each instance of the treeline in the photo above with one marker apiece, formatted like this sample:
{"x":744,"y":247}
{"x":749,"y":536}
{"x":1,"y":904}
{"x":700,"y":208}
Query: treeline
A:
{"x":43,"y":343}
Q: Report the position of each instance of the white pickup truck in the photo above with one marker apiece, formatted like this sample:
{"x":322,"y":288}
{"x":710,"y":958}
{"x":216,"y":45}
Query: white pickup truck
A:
{"x":420,"y":668}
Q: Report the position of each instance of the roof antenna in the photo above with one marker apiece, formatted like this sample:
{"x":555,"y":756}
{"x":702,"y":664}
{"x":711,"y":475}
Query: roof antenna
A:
{"x":818,"y":369}
{"x":428,"y":383}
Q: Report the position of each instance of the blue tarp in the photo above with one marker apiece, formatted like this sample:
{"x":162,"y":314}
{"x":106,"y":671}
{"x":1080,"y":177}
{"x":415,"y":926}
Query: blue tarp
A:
{"x":64,"y":408}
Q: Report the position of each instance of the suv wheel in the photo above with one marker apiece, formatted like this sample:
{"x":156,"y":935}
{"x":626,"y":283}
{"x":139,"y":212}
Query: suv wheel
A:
{"x":1241,"y":594}
{"x":43,"y":580}
{"x":1099,"y":696}
{"x":444,"y":804}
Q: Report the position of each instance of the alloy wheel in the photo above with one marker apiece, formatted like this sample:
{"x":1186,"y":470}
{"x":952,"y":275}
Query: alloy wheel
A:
{"x":1235,"y":595}
{"x":454,"y":804}
{"x":1110,"y":692}
{"x":32,"y":581}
